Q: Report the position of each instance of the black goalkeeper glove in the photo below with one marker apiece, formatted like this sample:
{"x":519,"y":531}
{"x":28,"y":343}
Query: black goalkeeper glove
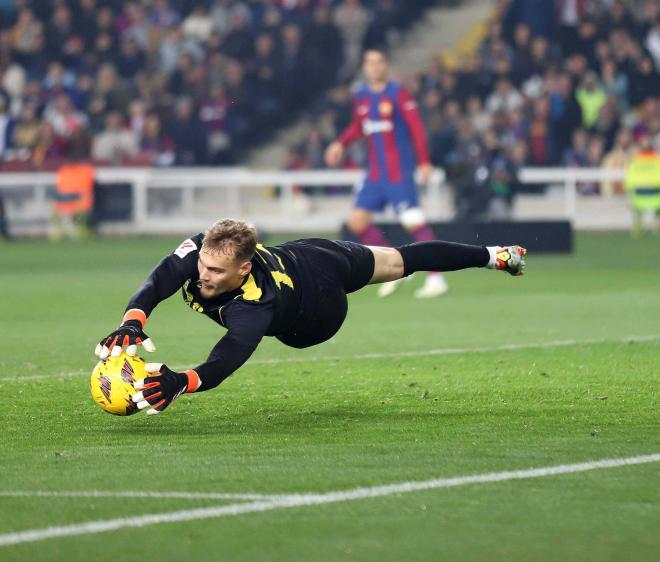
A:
{"x":129,"y":335}
{"x":161,"y":390}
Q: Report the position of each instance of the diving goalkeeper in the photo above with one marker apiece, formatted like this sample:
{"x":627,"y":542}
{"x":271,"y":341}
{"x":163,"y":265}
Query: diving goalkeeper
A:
{"x":295,"y":292}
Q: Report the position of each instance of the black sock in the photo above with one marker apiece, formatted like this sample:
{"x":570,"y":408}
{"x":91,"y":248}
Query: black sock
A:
{"x":437,"y":255}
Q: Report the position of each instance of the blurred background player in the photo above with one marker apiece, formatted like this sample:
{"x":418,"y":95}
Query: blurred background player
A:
{"x":386,"y":114}
{"x":642,"y":182}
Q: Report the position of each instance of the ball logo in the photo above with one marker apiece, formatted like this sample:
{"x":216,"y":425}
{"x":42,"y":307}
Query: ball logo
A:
{"x":385,"y":107}
{"x":127,"y":373}
{"x":130,"y":406}
{"x":104,"y":385}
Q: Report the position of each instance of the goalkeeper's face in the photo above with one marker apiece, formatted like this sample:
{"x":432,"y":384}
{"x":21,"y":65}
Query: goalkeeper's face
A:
{"x":220,"y":272}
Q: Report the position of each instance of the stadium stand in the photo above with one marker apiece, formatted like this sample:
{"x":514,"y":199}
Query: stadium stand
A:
{"x":171,"y":82}
{"x":547,"y":83}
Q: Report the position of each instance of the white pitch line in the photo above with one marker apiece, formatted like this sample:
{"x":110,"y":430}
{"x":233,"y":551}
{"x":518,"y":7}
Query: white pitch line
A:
{"x":133,"y":494}
{"x":392,"y":355}
{"x":300,"y":500}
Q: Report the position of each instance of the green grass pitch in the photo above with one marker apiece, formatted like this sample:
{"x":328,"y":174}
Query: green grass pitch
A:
{"x":330,"y":419}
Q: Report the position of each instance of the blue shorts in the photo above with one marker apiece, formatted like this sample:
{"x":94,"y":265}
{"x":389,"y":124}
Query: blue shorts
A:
{"x":374,"y":196}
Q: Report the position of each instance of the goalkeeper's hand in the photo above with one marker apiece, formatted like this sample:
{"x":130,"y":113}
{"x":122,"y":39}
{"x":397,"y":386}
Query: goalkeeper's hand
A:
{"x":164,"y":388}
{"x":129,"y":335}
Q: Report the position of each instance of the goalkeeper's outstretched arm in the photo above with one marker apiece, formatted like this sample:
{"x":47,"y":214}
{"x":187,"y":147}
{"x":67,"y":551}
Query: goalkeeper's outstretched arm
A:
{"x":166,"y":278}
{"x":247,"y":326}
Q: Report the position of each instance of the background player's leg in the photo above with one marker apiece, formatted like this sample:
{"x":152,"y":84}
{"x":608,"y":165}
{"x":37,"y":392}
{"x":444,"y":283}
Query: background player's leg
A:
{"x":360,"y":223}
{"x":414,"y":221}
{"x":372,"y":197}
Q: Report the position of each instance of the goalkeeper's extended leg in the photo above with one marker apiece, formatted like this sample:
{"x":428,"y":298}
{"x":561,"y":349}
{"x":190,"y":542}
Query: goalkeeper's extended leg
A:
{"x":437,"y":255}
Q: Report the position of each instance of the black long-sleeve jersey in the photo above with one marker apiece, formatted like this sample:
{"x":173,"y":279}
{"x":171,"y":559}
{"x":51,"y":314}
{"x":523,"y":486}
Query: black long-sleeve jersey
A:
{"x":295,"y":291}
{"x":268,"y":303}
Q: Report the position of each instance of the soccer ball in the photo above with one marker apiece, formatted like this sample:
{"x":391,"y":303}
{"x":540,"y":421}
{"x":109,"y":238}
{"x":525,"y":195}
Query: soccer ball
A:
{"x":111,"y":383}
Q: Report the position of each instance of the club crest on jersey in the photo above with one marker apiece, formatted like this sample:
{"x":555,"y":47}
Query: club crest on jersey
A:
{"x":185,"y":248}
{"x":127,"y":373}
{"x":385,"y":108}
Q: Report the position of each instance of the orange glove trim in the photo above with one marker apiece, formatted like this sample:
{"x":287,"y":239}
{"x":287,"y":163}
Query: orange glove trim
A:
{"x":194,"y":382}
{"x":135,"y":314}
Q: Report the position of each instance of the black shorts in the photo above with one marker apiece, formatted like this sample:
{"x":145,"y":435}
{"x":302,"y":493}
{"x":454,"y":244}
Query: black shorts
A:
{"x":327,"y":271}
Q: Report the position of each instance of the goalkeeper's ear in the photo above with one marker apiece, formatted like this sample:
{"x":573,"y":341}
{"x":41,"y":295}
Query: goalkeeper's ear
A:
{"x":245,"y":268}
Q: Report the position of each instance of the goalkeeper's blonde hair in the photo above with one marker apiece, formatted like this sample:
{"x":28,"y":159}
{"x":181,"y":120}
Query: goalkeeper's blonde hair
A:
{"x":231,"y":236}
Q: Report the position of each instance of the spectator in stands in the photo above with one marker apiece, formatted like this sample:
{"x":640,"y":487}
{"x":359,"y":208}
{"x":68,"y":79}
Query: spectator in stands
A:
{"x":608,"y":122}
{"x":646,"y":82}
{"x":476,"y":78}
{"x":84,"y":16}
{"x":504,"y":98}
{"x":6,"y":127}
{"x":26,"y":132}
{"x":617,"y":159}
{"x":48,"y":147}
{"x":57,"y":81}
{"x":538,"y":15}
{"x":566,"y":111}
{"x":161,"y":15}
{"x":4,"y":225}
{"x":523,"y":65}
{"x":585,"y":43}
{"x":198,"y":25}
{"x":105,"y":49}
{"x":615,"y":84}
{"x":220,"y":14}
{"x":156,"y":148}
{"x":541,"y":135}
{"x":188,"y":134}
{"x":502,"y":178}
{"x":595,"y":152}
{"x":382,"y":26}
{"x":238,"y":42}
{"x":652,"y":43}
{"x":294,"y":68}
{"x":27,"y":35}
{"x":133,"y":23}
{"x":266,"y":78}
{"x":115,"y":143}
{"x":352,"y":19}
{"x":431,"y":104}
{"x":131,"y":58}
{"x":110,"y":88}
{"x":481,"y":119}
{"x":67,"y":122}
{"x":137,"y":113}
{"x":240,"y":99}
{"x":591,"y":98}
{"x":324,"y":41}
{"x":173,"y":46}
{"x":213,"y":114}
{"x":576,"y":66}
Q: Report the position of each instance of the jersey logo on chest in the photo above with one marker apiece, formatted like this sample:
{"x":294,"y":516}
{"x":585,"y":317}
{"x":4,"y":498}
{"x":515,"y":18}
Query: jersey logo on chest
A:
{"x":190,"y":298}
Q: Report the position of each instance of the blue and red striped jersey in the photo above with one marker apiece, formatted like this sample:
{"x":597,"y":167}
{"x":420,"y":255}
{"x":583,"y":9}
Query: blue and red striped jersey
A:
{"x":391,"y":123}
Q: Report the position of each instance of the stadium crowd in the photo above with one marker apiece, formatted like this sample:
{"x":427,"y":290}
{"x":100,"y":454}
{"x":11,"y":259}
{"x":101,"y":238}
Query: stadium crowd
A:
{"x":171,"y":82}
{"x":552,"y":83}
